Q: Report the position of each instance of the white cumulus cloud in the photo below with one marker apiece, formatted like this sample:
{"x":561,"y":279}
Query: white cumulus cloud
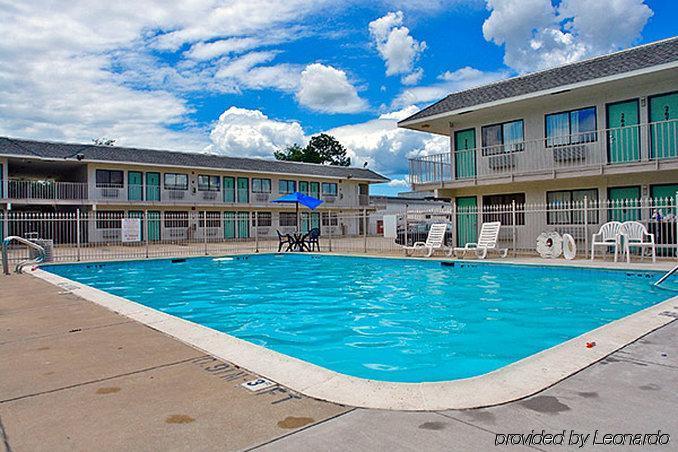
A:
{"x":396,"y":46}
{"x":536,"y":34}
{"x":328,"y":90}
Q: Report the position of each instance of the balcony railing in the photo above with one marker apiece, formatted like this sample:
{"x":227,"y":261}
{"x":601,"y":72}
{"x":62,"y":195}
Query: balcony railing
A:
{"x":44,"y":190}
{"x":607,"y":147}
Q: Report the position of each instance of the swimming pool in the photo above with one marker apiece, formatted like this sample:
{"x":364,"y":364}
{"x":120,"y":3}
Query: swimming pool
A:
{"x":398,"y":320}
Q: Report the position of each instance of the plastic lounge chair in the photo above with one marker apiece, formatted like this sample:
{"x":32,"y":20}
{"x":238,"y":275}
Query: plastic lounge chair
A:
{"x":284,"y":239}
{"x":608,"y":235}
{"x":489,"y":235}
{"x":312,"y":241}
{"x":434,"y":241}
{"x":635,"y":234}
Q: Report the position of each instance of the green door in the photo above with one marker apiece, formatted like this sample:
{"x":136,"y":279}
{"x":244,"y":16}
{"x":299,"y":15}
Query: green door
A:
{"x":229,"y":225}
{"x":315,"y":190}
{"x":624,"y":203}
{"x":152,"y":187}
{"x":135,"y":186}
{"x":664,"y":127}
{"x":229,"y":189}
{"x":243,"y":225}
{"x":153,"y":225}
{"x":303,"y":187}
{"x":665,"y":195}
{"x":137,"y":214}
{"x":243,"y":190}
{"x":465,"y":154}
{"x":315,"y":220}
{"x":467,"y":220}
{"x":623,"y":143}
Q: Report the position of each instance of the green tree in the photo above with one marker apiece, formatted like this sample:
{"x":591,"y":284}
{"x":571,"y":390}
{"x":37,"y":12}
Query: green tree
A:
{"x":323,"y":148}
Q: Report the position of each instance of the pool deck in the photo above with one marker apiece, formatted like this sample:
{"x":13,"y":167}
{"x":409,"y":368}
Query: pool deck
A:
{"x":76,"y":376}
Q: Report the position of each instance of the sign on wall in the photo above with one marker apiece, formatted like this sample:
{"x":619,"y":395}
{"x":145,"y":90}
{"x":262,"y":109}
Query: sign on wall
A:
{"x":131,"y":230}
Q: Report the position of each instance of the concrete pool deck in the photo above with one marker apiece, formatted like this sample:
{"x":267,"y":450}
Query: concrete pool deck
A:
{"x":78,"y":376}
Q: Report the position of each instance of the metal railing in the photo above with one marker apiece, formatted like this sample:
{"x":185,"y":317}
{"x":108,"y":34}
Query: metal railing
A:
{"x":607,"y":147}
{"x":19,"y":267}
{"x":45,"y":190}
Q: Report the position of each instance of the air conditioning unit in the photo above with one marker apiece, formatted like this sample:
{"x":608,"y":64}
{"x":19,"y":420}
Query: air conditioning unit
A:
{"x":209,"y":195}
{"x":176,"y":194}
{"x":113,"y":193}
{"x":329,"y":199}
{"x":261,"y":197}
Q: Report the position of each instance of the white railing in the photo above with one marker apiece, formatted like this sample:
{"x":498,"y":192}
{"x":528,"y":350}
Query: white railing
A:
{"x":607,"y":147}
{"x":44,"y":190}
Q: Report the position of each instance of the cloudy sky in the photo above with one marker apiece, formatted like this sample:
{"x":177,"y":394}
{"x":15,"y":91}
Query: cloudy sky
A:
{"x":246,"y":77}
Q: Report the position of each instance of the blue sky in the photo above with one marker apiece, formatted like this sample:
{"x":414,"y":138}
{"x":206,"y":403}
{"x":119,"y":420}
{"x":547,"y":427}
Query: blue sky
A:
{"x":246,"y":77}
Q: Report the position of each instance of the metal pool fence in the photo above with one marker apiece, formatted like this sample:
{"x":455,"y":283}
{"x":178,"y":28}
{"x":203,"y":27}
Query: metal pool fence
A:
{"x":100,"y":235}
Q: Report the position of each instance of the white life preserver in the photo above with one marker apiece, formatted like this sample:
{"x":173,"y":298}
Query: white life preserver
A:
{"x":569,"y":247}
{"x":549,"y":245}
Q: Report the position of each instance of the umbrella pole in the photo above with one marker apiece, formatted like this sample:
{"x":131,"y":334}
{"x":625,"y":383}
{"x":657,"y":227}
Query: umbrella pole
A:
{"x":297,"y":204}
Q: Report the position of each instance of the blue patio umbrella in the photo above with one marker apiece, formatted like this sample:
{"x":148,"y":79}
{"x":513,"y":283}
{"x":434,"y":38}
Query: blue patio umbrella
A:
{"x":299,"y":198}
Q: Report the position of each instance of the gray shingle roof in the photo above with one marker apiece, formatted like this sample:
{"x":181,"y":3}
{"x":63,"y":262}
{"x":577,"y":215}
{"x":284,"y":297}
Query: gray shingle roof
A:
{"x":90,"y":152}
{"x":632,"y":59}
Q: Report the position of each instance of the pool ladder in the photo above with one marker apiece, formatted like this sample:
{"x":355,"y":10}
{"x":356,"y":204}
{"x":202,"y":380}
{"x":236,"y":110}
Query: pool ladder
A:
{"x":666,"y":276}
{"x":19,"y":267}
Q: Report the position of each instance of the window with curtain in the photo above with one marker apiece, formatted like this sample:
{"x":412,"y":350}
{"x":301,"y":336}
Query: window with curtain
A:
{"x":288,"y":219}
{"x":261,"y":185}
{"x":329,"y":189}
{"x":571,"y":127}
{"x":502,"y":138}
{"x":176,"y":181}
{"x":566,"y":206}
{"x":264,"y":219}
{"x":109,"y":178}
{"x":209,"y":183}
{"x":286,"y":186}
{"x":500,"y":208}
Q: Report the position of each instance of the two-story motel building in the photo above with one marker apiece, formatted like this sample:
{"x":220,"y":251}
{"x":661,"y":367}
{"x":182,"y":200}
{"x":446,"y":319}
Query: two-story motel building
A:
{"x":604,"y":128}
{"x":176,"y":189}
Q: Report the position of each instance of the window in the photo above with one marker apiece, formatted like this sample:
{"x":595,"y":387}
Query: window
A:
{"x":303,"y":187}
{"x":176,"y":220}
{"x":213,"y":219}
{"x":499,"y":208}
{"x":503,"y":138}
{"x":566,"y":206}
{"x":109,"y":219}
{"x":329,"y":189}
{"x":328,"y":220}
{"x":286,"y":186}
{"x":175,"y":181}
{"x":109,"y":178}
{"x":571,"y":127}
{"x":264,"y":219}
{"x":261,"y":185}
{"x":288,"y":219}
{"x":208,"y":183}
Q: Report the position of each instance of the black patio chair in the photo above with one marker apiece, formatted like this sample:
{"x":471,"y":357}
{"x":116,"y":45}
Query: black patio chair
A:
{"x":284,"y":239}
{"x":312,"y":240}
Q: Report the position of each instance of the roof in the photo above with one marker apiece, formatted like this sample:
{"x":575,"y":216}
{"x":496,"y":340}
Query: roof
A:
{"x":95,"y":153}
{"x":633,"y":59}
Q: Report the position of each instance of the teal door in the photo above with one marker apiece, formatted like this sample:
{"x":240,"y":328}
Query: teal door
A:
{"x":623,"y":142}
{"x":243,"y":190}
{"x":624,"y":202}
{"x":309,"y":220}
{"x":229,"y":189}
{"x":664,"y":126}
{"x":229,"y":225}
{"x":135,"y":186}
{"x":467,"y":220}
{"x":137,"y":214}
{"x":665,"y":195}
{"x":153,"y":225}
{"x":243,"y":225}
{"x":152,"y":186}
{"x":315,"y":189}
{"x":465,"y":154}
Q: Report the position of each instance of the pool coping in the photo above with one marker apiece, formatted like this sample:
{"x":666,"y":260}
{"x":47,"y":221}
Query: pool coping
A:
{"x":515,"y":381}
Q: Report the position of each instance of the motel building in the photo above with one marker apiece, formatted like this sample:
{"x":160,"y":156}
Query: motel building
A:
{"x":175,"y":191}
{"x":603,"y":129}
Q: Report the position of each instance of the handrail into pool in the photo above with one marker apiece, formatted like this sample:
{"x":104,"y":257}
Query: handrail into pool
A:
{"x":22,"y":264}
{"x":666,"y":276}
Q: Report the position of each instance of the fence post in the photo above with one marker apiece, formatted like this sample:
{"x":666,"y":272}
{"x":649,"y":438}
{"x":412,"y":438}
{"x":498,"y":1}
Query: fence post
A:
{"x":204,"y":230}
{"x":146,"y":229}
{"x":365,"y":231}
{"x":77,"y":234}
{"x":453,"y":220}
{"x":586,"y":227}
{"x":513,"y":226}
{"x":675,"y":221}
{"x":256,"y":232}
{"x":406,"y":243}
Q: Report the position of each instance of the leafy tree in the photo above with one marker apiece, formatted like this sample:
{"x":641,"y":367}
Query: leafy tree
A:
{"x":323,"y":148}
{"x":103,"y":141}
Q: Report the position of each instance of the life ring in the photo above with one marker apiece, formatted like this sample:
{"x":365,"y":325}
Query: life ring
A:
{"x":549,"y":245}
{"x":569,"y":247}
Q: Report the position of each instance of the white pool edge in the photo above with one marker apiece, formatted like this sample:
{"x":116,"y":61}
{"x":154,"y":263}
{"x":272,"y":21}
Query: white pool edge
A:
{"x":512,"y":382}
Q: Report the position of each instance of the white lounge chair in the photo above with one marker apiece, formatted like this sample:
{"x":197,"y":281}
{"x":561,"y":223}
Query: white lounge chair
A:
{"x":434,"y":241}
{"x":489,"y":235}
{"x":635,"y":234}
{"x":607,"y":236}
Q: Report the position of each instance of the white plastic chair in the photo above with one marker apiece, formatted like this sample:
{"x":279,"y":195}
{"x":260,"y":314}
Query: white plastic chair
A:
{"x":608,"y":235}
{"x":635,"y":234}
{"x":434,"y":241}
{"x":489,"y":235}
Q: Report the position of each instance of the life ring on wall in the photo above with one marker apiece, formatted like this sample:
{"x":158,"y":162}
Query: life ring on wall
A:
{"x":549,"y":245}
{"x":569,"y":247}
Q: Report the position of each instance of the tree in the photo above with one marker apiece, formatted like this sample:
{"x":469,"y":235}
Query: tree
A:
{"x":323,"y":148}
{"x":103,"y":141}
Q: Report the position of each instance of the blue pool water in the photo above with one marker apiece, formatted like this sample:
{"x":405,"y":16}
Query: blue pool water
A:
{"x":384,"y":319}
